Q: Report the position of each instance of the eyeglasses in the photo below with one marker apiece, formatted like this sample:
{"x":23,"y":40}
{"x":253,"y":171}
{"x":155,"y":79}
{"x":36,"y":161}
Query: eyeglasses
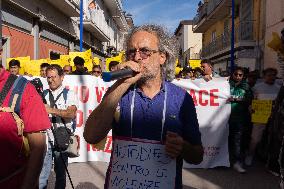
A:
{"x":144,"y":52}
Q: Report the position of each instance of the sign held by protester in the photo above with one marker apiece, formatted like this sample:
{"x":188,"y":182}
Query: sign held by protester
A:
{"x":262,"y":111}
{"x":194,"y":63}
{"x":141,"y":164}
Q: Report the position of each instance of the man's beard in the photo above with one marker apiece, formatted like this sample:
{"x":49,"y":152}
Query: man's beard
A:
{"x":144,"y":79}
{"x":147,"y":76}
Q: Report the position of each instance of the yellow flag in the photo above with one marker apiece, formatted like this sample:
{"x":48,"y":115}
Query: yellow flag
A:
{"x":177,"y":68}
{"x":33,"y":66}
{"x":65,"y":60}
{"x":119,"y":58}
{"x":87,"y":56}
{"x":276,"y":43}
{"x":96,"y":61}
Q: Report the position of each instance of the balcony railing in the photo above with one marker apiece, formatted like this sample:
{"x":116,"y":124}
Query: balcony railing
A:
{"x":201,"y":13}
{"x":71,"y":8}
{"x":243,"y":33}
{"x":208,"y":9}
{"x":212,"y":4}
{"x":77,"y":2}
{"x":97,"y":17}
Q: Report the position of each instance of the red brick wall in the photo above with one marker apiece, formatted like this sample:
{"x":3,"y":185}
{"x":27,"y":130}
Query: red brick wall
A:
{"x":21,"y":43}
{"x":46,"y":46}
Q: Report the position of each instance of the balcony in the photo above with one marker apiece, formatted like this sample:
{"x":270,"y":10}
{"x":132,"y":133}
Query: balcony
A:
{"x":209,"y":13}
{"x":69,"y":7}
{"x":115,"y":8}
{"x":244,"y":38}
{"x":98,"y":26}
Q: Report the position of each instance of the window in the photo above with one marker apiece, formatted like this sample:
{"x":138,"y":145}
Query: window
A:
{"x":54,"y":55}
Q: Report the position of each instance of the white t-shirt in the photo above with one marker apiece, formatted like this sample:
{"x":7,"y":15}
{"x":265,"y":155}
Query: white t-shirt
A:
{"x":264,"y":91}
{"x":72,"y":100}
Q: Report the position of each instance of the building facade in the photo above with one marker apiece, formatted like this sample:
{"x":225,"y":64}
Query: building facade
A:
{"x":47,"y":28}
{"x":274,"y":23}
{"x":190,"y":43}
{"x":214,"y":20}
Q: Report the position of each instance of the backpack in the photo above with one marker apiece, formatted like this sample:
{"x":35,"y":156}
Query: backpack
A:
{"x":64,"y":93}
{"x":18,"y":87}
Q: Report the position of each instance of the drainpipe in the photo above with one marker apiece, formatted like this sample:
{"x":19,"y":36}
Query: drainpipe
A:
{"x":36,"y":38}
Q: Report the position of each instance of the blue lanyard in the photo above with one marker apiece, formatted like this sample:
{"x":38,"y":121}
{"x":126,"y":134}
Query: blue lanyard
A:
{"x":164,"y":110}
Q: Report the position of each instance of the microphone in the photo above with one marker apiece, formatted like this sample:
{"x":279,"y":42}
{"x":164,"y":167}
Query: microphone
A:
{"x":118,"y":74}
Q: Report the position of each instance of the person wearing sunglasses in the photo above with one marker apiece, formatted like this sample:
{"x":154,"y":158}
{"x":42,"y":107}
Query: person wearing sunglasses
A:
{"x":141,"y":102}
{"x":240,"y":99}
{"x":97,"y":71}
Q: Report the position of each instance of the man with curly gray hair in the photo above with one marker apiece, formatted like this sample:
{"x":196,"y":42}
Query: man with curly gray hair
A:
{"x":147,"y":107}
{"x":166,"y":44}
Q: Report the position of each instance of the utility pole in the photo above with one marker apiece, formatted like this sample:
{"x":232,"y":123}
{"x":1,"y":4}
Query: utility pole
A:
{"x":81,"y":25}
{"x":233,"y":37}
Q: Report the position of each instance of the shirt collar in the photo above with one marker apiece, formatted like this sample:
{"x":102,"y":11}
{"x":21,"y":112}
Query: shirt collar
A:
{"x":162,"y":90}
{"x":57,"y":91}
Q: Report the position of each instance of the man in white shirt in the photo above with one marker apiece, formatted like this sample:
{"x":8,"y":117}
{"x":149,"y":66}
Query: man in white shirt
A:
{"x":61,"y":106}
{"x":208,"y":72}
{"x":266,"y":90}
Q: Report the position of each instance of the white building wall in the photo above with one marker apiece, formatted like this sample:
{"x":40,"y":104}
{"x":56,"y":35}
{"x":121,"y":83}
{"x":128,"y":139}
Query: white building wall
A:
{"x":104,"y":21}
{"x":194,"y":42}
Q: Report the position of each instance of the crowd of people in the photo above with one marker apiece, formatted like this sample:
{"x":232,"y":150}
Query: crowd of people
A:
{"x":142,"y":104}
{"x":245,"y":136}
{"x":14,"y":67}
{"x":61,"y":109}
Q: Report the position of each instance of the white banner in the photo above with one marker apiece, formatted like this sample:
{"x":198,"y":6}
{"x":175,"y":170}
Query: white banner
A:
{"x":212,"y":112}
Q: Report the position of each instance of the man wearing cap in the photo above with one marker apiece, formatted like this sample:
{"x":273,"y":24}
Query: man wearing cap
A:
{"x":79,"y":64}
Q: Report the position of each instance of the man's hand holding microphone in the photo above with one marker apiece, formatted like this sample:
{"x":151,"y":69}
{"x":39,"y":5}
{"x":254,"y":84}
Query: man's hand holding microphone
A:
{"x":130,"y":71}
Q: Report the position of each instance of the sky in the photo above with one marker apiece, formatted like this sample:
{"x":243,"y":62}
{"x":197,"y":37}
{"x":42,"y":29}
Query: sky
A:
{"x":165,"y":12}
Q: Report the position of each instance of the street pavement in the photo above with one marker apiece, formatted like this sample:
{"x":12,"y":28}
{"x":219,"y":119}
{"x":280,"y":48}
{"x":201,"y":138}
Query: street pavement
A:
{"x":91,"y":175}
